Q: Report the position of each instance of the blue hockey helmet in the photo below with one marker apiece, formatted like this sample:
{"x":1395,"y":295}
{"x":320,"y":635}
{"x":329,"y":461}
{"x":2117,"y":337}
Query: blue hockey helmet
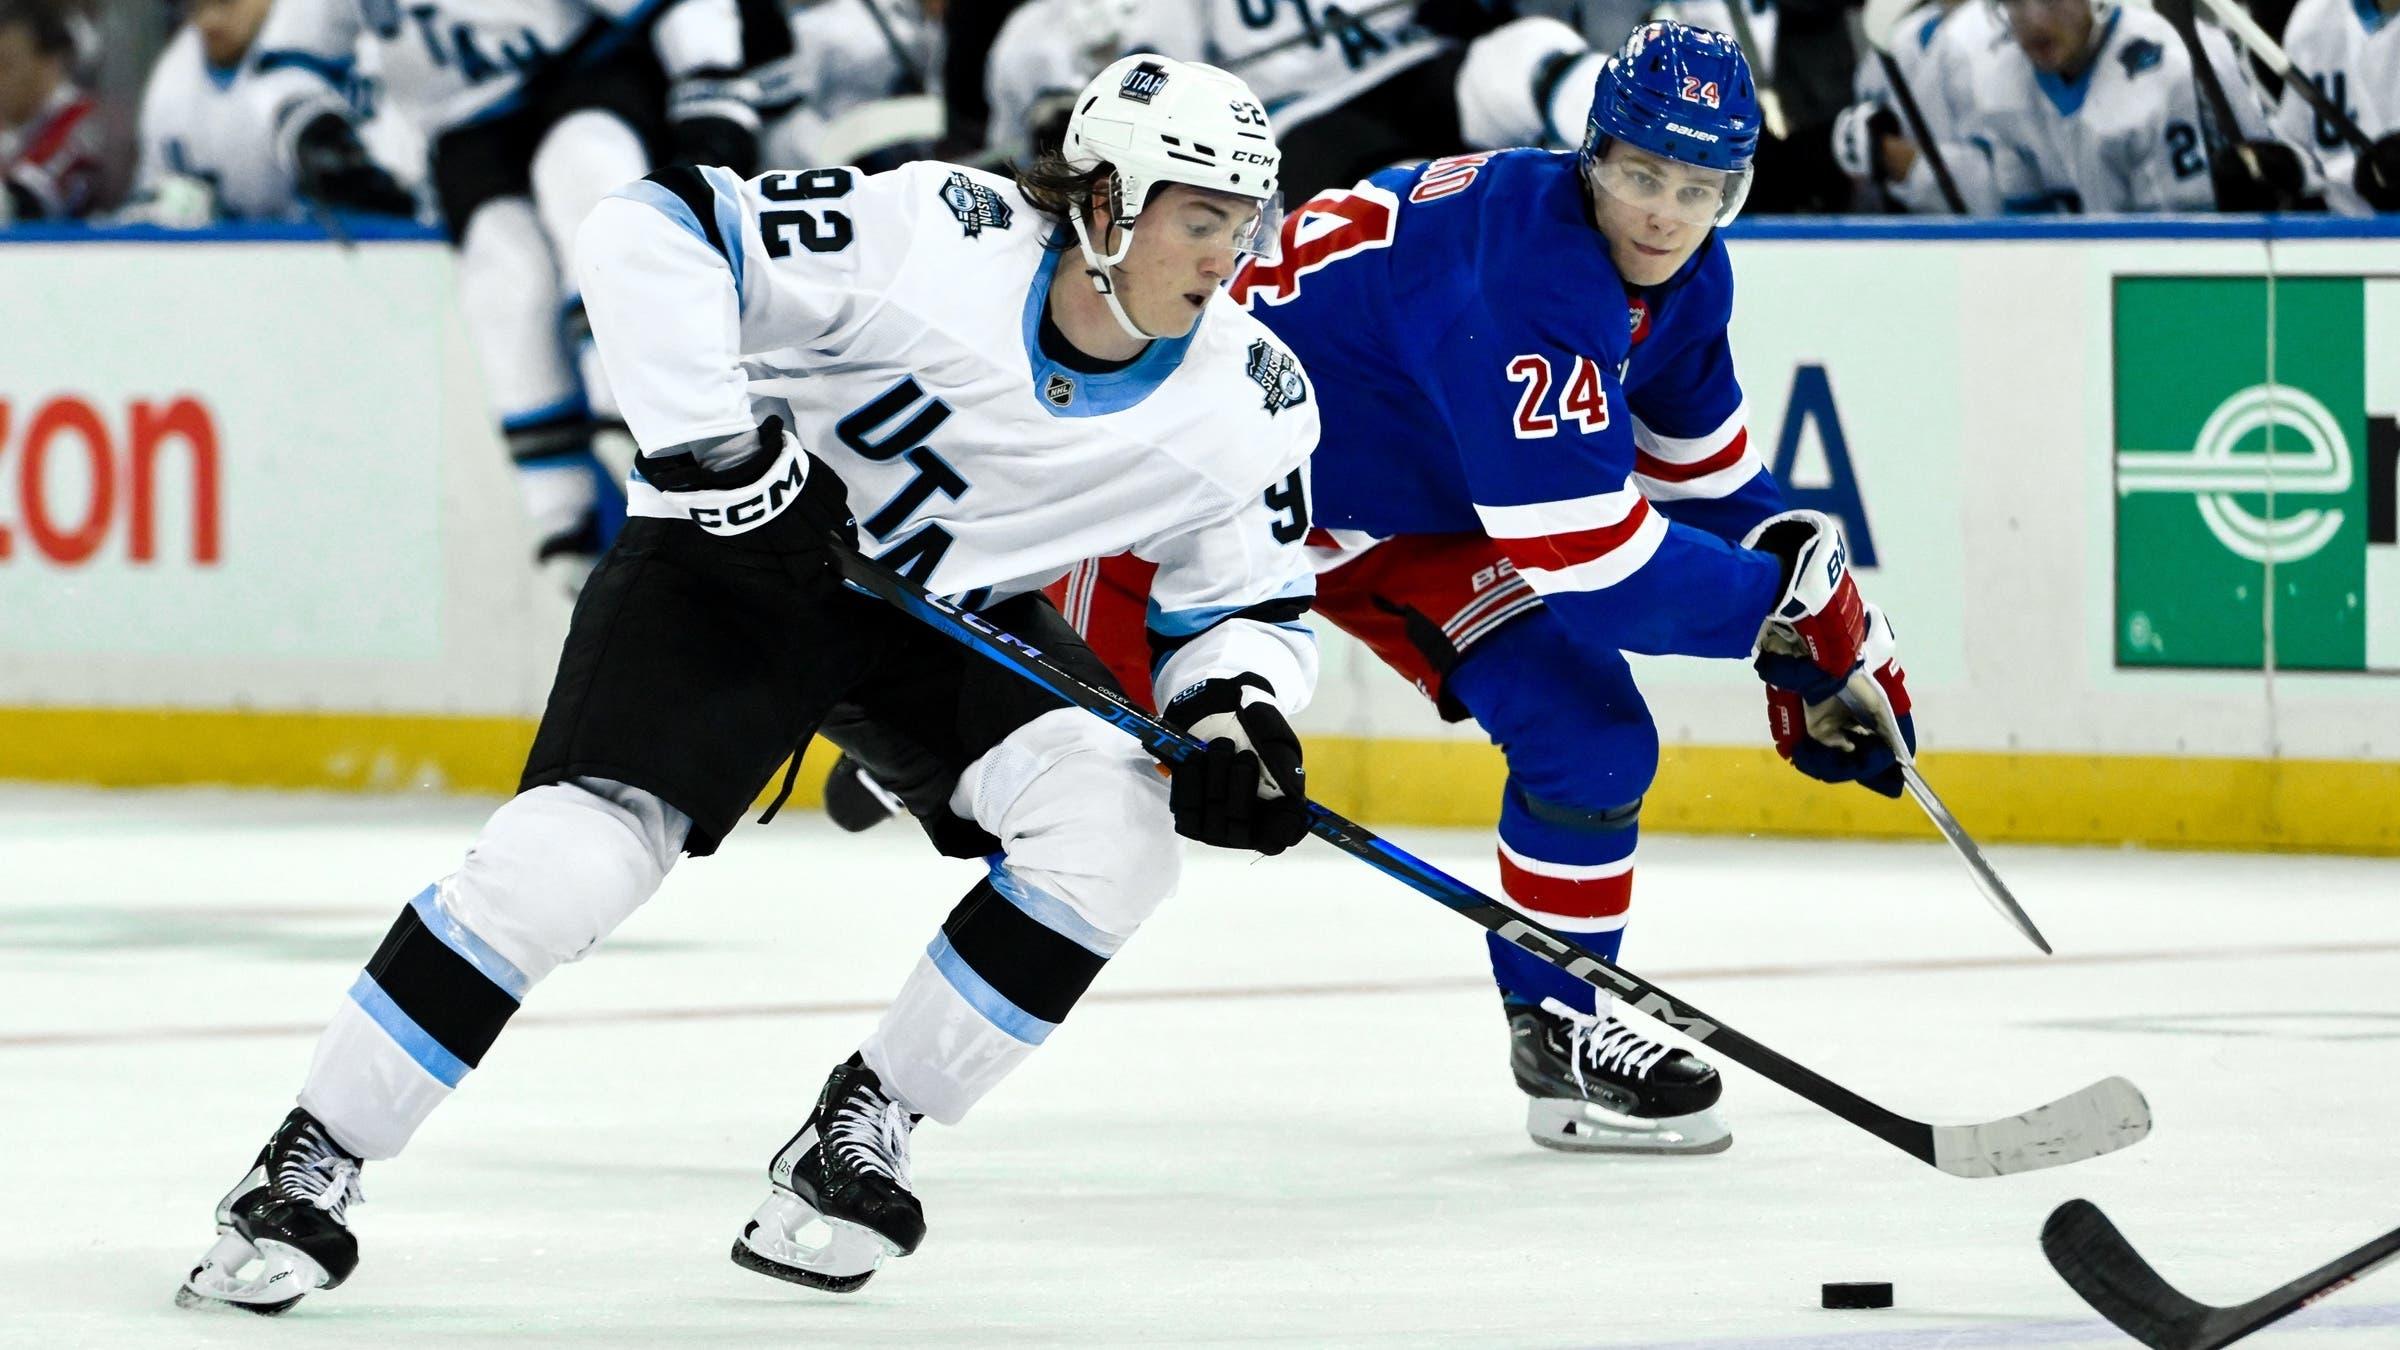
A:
{"x":1684,"y":94}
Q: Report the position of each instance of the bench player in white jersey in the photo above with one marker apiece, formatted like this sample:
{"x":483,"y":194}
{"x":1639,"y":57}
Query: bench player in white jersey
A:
{"x":2093,"y":108}
{"x":224,"y":137}
{"x":1352,"y":95}
{"x":996,"y":394}
{"x":2350,"y":49}
{"x":1935,"y":47}
{"x":533,"y":110}
{"x":859,"y":72}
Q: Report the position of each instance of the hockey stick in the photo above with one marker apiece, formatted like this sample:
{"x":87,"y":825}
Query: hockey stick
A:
{"x":2270,"y":54}
{"x":1879,"y":36}
{"x":1865,"y":697}
{"x":2099,"y":1264}
{"x":2102,"y":1118}
{"x":1770,"y":103}
{"x":2216,"y":110}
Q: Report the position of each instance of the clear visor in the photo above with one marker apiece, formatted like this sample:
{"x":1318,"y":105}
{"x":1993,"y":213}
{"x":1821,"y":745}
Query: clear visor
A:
{"x":1213,"y":220}
{"x":1681,"y":192}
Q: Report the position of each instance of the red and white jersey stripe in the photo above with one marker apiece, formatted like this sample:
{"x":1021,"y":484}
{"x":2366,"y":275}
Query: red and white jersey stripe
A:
{"x":1580,"y":544}
{"x":1666,"y":468}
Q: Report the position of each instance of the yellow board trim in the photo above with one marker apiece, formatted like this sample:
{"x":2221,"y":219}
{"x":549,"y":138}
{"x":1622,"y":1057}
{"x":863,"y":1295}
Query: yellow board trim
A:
{"x":2164,"y":801}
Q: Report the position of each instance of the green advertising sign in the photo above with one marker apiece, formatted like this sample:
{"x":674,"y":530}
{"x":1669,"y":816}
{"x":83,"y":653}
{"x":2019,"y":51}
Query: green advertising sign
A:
{"x":2252,"y":484}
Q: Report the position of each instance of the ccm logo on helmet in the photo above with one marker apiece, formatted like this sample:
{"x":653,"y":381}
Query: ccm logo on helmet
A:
{"x":759,"y":507}
{"x":1250,"y":157}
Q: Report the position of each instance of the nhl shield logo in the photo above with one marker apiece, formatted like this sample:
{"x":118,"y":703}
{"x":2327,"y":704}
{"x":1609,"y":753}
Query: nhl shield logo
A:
{"x":977,"y":207}
{"x":1143,"y":82}
{"x":1279,"y":374}
{"x":1059,"y":390}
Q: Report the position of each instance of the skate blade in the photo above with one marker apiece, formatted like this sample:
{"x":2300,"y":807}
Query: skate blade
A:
{"x":1580,"y":1127}
{"x":277,"y":1277}
{"x":788,"y":1240}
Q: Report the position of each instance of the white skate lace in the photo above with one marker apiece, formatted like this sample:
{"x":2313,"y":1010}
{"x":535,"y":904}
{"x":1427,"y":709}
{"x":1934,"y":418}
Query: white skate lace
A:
{"x":1605,"y":1043}
{"x":320,"y":1174}
{"x":871,"y":1130}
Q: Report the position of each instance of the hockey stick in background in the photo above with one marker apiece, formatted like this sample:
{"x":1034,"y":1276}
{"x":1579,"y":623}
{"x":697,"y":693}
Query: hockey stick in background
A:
{"x":2216,"y":110}
{"x":1881,"y":22}
{"x":1770,"y":103}
{"x":2107,"y":1116}
{"x":2270,"y":54}
{"x":2099,"y":1264}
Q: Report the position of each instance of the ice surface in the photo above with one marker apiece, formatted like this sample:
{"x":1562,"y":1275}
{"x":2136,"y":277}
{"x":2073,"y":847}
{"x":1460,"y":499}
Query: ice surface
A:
{"x":1283,"y":1117}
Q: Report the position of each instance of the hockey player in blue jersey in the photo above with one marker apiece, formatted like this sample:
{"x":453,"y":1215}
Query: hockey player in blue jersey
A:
{"x":1534,"y":459}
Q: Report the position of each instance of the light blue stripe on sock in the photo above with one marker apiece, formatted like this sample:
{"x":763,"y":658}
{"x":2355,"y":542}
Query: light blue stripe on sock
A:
{"x":1052,"y":913}
{"x":470,"y":948}
{"x":978,"y":992}
{"x":446,"y":1068}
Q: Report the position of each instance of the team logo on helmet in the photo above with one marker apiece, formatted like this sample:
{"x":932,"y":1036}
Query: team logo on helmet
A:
{"x":1279,"y":374}
{"x":1059,"y":390}
{"x":977,"y":207}
{"x":1144,"y":82}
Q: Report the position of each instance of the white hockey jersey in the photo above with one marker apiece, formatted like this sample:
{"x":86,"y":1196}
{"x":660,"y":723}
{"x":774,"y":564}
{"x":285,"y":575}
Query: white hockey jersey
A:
{"x":2124,"y":137}
{"x":2350,"y":49}
{"x":1282,"y":49}
{"x":845,"y":54}
{"x":446,"y":63}
{"x":1037,"y":57}
{"x":1937,"y":51}
{"x":226,"y":128}
{"x":892,"y":320}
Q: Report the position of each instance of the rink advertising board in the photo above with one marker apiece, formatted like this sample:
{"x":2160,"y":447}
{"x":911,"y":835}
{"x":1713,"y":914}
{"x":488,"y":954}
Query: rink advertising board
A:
{"x":261,"y":531}
{"x":2255,"y":475}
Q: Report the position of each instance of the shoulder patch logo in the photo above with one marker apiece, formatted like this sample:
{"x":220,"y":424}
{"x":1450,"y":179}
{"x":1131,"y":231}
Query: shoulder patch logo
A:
{"x":1278,"y":373}
{"x":2141,"y":54}
{"x":1143,"y":82}
{"x":1059,"y":390}
{"x":977,"y":207}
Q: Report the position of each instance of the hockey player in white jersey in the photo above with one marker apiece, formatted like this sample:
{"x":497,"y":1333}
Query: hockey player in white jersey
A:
{"x":1000,"y":379}
{"x":226,"y":135}
{"x":857,"y":86}
{"x":1352,"y":93}
{"x":1936,"y":48}
{"x":2092,"y":107}
{"x":2350,"y":49}
{"x":1041,"y":58}
{"x":534,"y":109}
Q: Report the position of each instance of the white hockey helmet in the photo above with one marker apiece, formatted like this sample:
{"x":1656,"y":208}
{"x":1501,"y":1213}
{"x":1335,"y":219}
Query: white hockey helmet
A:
{"x":1154,"y":120}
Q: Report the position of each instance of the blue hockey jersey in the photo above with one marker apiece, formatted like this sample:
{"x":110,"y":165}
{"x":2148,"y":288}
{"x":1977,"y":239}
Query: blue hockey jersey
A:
{"x":1481,"y":366}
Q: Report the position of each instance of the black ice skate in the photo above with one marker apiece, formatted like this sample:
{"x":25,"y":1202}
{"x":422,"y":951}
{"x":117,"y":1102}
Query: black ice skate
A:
{"x":854,"y":800}
{"x":841,"y":1201}
{"x":1599,"y":1086}
{"x":283,"y":1230}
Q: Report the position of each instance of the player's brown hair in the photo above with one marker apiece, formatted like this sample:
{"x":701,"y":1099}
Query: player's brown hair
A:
{"x":1056,"y":187}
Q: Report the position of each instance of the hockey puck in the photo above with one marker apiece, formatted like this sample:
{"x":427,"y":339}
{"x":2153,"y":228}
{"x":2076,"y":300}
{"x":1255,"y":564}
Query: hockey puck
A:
{"x":1869,"y":1294}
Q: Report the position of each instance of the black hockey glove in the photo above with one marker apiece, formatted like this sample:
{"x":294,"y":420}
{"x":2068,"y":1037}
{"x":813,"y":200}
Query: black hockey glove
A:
{"x":331,"y":167}
{"x":1246,"y":790}
{"x":2277,"y":185}
{"x":2378,"y":176}
{"x":779,"y":499}
{"x":712,"y":118}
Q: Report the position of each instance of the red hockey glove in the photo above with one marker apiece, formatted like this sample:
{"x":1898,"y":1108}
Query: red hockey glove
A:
{"x":1835,"y":740}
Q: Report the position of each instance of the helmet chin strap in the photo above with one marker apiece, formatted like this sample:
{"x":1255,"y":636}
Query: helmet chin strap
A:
{"x":1097,"y":266}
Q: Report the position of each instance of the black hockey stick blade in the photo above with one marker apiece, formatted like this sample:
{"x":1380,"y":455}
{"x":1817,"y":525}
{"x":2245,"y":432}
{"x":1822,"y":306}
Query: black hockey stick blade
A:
{"x":2101,"y":1266}
{"x":2102,"y":1118}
